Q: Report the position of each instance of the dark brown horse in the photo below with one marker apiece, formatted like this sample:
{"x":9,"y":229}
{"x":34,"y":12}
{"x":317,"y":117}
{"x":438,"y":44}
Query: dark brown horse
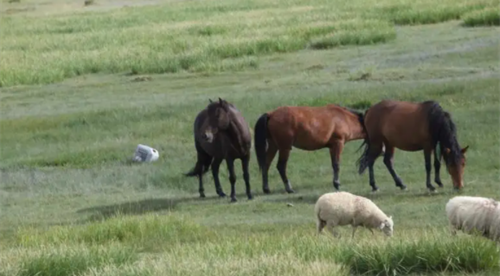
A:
{"x":412,"y":127}
{"x":221,"y":133}
{"x":306,"y":128}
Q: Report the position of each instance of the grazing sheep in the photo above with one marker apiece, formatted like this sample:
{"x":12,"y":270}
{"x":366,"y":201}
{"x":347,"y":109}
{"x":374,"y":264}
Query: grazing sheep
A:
{"x":470,"y":214}
{"x":343,"y":208}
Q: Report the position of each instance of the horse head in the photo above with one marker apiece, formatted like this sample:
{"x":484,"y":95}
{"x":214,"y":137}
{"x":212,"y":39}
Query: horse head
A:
{"x":218,"y":119}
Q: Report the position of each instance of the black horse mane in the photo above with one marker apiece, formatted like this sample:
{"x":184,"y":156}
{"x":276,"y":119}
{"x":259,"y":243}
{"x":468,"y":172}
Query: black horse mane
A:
{"x":361,"y":115}
{"x":443,"y":131}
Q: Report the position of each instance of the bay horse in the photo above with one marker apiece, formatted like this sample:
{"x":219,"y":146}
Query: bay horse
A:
{"x":221,"y":133}
{"x":412,"y":127}
{"x":306,"y":128}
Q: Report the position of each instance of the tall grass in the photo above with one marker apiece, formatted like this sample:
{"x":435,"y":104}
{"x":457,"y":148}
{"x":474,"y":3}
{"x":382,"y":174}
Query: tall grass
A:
{"x":145,"y":232}
{"x":484,"y":17}
{"x":431,"y":251}
{"x":428,"y":254}
{"x":200,"y":37}
{"x":65,"y":259}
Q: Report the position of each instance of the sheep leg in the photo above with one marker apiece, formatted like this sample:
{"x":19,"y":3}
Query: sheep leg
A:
{"x":427,"y":156}
{"x":330,"y":226}
{"x":353,"y":231}
{"x":453,"y":230}
{"x":335,"y":152}
{"x":320,"y":224}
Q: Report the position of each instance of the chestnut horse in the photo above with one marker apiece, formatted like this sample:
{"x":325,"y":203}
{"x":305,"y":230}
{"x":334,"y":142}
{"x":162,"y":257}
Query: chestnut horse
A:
{"x":306,"y":128}
{"x":412,"y":127}
{"x":221,"y":133}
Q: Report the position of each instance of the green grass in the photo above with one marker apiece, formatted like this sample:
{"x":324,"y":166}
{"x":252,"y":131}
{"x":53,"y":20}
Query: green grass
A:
{"x":72,"y":203}
{"x":484,"y":17}
{"x":203,"y":37}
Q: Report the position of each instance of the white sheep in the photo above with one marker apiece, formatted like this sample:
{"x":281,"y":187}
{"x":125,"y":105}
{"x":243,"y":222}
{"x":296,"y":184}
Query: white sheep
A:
{"x":472,"y":213}
{"x":343,"y":208}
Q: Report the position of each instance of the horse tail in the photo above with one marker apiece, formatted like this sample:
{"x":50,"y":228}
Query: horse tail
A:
{"x":260,"y":138}
{"x":201,"y":166}
{"x":199,"y":169}
{"x":364,"y":159}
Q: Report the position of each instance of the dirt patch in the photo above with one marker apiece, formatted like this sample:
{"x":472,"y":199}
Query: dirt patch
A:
{"x":142,"y":78}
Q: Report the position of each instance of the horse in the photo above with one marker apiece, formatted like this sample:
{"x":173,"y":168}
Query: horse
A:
{"x":412,"y":126}
{"x":221,"y":133}
{"x":306,"y":128}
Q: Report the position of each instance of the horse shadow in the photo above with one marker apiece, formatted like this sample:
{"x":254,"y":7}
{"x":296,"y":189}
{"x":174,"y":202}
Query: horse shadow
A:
{"x":140,"y":207}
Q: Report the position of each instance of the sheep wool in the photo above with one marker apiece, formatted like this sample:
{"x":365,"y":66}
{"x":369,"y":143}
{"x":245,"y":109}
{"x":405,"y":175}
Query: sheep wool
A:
{"x":470,"y":214}
{"x":343,"y":208}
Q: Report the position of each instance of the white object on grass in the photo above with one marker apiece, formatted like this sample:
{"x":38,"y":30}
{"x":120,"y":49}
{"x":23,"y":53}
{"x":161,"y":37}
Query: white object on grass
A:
{"x":145,"y":153}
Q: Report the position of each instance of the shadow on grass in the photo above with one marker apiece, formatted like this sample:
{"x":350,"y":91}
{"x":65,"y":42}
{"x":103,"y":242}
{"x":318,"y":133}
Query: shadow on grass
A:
{"x":416,"y":193}
{"x":139,"y":207}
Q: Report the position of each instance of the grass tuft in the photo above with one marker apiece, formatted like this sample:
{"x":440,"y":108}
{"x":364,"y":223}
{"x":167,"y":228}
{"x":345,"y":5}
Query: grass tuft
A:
{"x":424,"y":255}
{"x":74,"y":260}
{"x":148,"y":232}
{"x":484,"y":17}
{"x":357,"y":33}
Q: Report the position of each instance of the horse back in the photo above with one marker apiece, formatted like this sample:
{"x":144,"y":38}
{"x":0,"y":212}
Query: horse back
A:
{"x":241,"y":124}
{"x":311,"y":128}
{"x":400,"y":123}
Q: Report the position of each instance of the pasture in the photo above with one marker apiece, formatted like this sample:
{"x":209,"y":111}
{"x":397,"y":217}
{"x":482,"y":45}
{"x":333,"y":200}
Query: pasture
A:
{"x":81,"y":86}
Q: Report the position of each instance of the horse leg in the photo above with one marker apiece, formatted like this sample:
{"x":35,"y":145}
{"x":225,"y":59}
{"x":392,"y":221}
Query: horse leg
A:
{"x":215,"y":174}
{"x":282,"y":160}
{"x":271,"y":153}
{"x":232,"y":177}
{"x":388,"y":156}
{"x":373,"y":154}
{"x":202,"y":165}
{"x":246,"y":176}
{"x":437,"y":167}
{"x":335,"y":152}
{"x":427,"y":157}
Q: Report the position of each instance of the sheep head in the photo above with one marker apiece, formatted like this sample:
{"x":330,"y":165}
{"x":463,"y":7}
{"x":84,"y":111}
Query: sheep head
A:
{"x":387,"y":226}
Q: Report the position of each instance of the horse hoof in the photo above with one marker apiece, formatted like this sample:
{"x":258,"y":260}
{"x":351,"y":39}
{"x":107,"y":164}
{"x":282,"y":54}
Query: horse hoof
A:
{"x":290,"y":191}
{"x":221,"y":194}
{"x":266,"y":191}
{"x":402,"y":187}
{"x":233,"y":200}
{"x":202,"y":195}
{"x":250,"y":197}
{"x":375,"y":190}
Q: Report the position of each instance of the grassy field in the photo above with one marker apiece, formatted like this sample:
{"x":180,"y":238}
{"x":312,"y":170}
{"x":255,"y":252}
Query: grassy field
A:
{"x":83,"y":85}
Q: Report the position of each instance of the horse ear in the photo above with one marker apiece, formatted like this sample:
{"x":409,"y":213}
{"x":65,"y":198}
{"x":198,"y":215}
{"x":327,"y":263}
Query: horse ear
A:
{"x":447,"y":150}
{"x":223,"y":103}
{"x":210,"y":100}
{"x":464,"y":150}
